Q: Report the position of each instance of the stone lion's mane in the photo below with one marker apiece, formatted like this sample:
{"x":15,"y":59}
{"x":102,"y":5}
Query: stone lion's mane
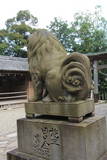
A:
{"x":43,"y":43}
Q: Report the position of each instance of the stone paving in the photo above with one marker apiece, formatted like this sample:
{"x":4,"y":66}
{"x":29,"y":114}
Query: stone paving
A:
{"x":8,"y":129}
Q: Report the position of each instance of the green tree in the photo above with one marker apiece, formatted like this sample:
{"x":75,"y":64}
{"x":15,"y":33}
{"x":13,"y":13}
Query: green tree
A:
{"x":86,"y":33}
{"x":3,"y":42}
{"x":63,"y":32}
{"x":13,"y":39}
{"x":90,"y":31}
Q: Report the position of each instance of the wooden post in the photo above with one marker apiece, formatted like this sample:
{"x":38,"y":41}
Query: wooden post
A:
{"x":95,"y":68}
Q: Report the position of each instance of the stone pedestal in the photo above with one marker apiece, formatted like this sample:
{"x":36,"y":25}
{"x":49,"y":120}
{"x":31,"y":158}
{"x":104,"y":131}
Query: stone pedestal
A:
{"x":47,"y":139}
{"x":74,"y":111}
{"x":16,"y":155}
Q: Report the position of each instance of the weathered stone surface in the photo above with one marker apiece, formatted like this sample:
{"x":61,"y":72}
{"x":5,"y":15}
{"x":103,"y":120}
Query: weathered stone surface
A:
{"x":74,"y":109}
{"x":15,"y":155}
{"x":104,"y":157}
{"x":57,"y":76}
{"x":62,"y":140}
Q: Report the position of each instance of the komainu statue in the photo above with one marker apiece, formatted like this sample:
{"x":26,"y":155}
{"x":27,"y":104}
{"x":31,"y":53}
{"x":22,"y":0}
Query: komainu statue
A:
{"x":55,"y":75}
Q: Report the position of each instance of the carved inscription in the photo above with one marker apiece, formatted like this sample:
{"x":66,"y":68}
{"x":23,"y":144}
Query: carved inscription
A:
{"x":45,"y":139}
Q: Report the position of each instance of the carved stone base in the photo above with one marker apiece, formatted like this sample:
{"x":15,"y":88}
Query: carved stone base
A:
{"x":75,"y":120}
{"x":15,"y":155}
{"x":45,"y":139}
{"x":75,"y":110}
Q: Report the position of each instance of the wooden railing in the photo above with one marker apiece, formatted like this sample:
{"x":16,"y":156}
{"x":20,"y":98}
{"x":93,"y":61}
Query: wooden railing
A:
{"x":103,"y":95}
{"x":13,"y":95}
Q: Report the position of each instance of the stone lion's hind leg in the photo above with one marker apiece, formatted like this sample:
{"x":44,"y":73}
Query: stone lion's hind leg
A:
{"x":37,"y":85}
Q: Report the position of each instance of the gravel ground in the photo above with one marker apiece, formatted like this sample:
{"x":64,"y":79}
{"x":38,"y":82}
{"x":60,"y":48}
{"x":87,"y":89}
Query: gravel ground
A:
{"x":8,"y":129}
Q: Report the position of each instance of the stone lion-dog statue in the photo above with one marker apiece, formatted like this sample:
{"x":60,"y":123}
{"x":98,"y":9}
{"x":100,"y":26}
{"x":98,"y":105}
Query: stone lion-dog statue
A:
{"x":56,"y":76}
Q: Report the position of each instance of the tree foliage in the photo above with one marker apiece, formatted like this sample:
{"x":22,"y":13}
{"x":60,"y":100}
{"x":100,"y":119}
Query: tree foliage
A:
{"x":13,"y":39}
{"x":63,"y":32}
{"x":86,"y":33}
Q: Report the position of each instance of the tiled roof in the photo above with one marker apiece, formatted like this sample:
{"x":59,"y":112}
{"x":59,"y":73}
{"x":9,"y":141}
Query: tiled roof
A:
{"x":96,"y":54}
{"x":8,"y":63}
